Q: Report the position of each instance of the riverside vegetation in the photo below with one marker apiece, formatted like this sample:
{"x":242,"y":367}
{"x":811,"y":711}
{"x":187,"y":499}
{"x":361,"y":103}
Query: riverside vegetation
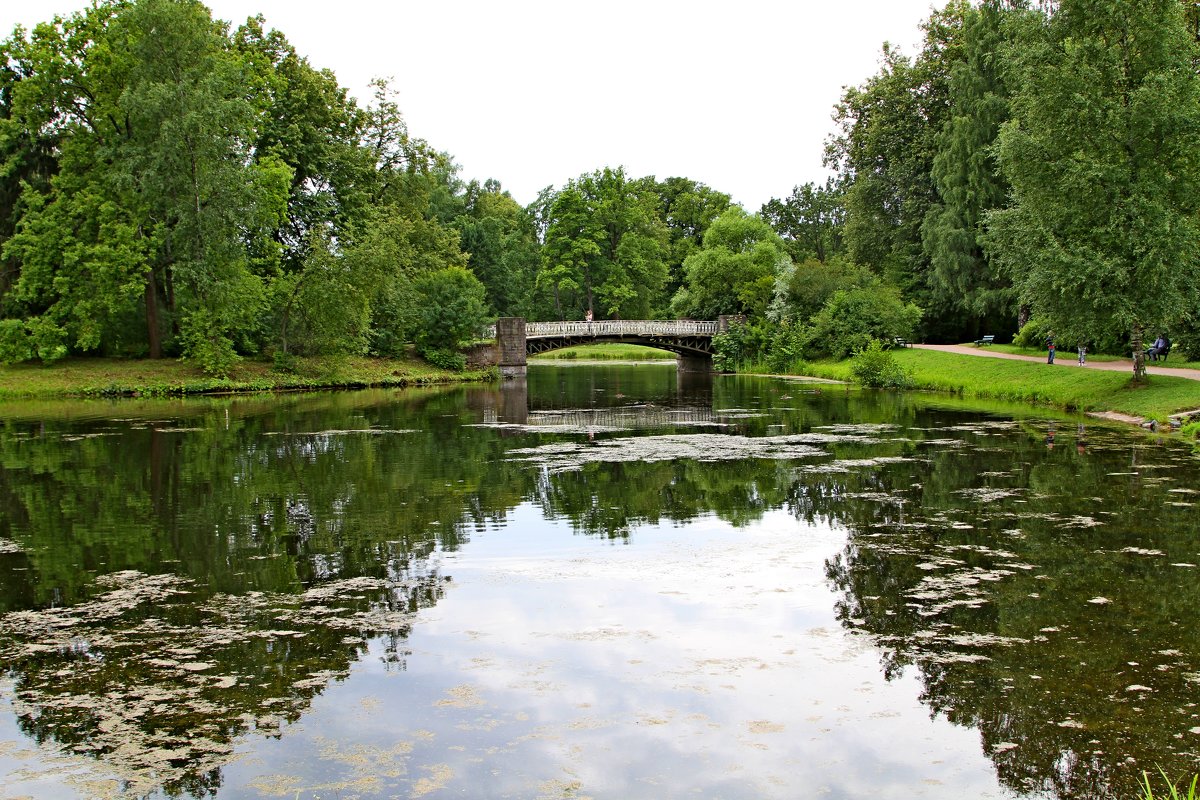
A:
{"x":970,"y":197}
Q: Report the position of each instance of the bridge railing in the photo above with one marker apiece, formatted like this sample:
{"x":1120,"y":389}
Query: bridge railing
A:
{"x":617,"y":327}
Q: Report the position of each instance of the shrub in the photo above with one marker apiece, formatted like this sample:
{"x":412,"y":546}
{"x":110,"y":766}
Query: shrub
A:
{"x":853,"y":317}
{"x":738,"y":346}
{"x":206,"y":343}
{"x":452,"y":309}
{"x":445,"y":359}
{"x":873,"y":366}
{"x":1032,"y":334}
{"x":14,"y":343}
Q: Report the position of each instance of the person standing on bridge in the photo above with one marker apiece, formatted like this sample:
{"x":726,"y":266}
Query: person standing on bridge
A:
{"x":588,"y":317}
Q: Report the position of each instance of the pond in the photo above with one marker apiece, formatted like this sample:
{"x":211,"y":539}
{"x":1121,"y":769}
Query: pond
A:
{"x":602,"y":582}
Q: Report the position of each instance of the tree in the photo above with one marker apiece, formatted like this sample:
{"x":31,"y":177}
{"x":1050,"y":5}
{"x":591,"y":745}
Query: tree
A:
{"x":605,"y":241}
{"x":967,"y":177}
{"x":884,"y":155}
{"x":1101,"y":154}
{"x":687,"y":208}
{"x":500,"y":240}
{"x":156,"y":195}
{"x":809,"y":221}
{"x":736,"y":270}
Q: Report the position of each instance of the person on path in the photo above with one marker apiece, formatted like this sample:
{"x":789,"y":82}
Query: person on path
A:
{"x":1050,"y":347}
{"x":1082,"y":354}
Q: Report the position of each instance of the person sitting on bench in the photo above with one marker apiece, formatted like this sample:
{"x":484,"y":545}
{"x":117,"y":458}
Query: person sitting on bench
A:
{"x":1161,"y":346}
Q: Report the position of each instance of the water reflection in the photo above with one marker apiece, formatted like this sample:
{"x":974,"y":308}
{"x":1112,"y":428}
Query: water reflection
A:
{"x":181,"y":580}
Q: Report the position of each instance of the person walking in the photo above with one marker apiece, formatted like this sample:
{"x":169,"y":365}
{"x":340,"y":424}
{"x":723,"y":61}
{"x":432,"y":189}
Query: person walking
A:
{"x":1082,"y":354}
{"x":1050,"y":347}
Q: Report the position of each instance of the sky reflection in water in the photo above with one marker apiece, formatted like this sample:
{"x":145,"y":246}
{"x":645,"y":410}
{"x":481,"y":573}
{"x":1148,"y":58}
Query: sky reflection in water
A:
{"x":819,"y":593}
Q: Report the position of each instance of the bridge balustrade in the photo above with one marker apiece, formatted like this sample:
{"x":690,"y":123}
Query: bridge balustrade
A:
{"x":617,"y":327}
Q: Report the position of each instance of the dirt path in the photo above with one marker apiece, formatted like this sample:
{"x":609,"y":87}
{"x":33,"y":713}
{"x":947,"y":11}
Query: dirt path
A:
{"x":1066,"y":358}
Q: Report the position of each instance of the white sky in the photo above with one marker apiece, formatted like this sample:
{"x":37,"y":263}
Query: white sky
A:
{"x":535,"y":92}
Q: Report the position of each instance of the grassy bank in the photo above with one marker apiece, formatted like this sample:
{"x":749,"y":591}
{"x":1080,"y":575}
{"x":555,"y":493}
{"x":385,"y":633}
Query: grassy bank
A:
{"x":98,"y":377}
{"x":1036,"y":383}
{"x":607,"y":352}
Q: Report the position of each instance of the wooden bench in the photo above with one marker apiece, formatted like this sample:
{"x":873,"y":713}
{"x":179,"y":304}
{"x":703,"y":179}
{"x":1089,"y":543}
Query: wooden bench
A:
{"x":900,"y":342}
{"x":985,"y":340}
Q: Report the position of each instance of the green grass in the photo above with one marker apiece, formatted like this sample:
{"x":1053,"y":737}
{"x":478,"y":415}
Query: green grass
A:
{"x":1174,"y":791}
{"x":1036,"y":383}
{"x":607,"y":352}
{"x":99,"y":377}
{"x":1069,"y":353}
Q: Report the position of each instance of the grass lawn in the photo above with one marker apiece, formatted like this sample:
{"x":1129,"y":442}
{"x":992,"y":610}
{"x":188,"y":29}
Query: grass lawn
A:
{"x":607,"y":352}
{"x":1037,"y":383}
{"x":142,"y":377}
{"x":1070,"y":354}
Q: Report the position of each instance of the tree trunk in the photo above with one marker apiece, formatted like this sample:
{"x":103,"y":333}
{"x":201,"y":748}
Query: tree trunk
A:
{"x":1022,"y":316}
{"x":1139,"y":356}
{"x":152,"y":329}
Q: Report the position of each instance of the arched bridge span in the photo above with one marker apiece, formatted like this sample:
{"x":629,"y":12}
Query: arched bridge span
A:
{"x":691,"y":340}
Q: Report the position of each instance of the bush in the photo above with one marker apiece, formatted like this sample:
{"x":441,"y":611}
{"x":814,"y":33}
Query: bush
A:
{"x":206,"y":343}
{"x":854,"y":317}
{"x":445,"y":359}
{"x":452,"y":309}
{"x":1032,"y":334}
{"x":873,"y":366}
{"x":737,"y":347}
{"x":787,"y":347}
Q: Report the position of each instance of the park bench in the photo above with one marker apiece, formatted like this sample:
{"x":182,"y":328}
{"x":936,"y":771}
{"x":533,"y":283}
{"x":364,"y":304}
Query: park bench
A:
{"x":1159,"y":356}
{"x":898,"y":341}
{"x":985,"y":340}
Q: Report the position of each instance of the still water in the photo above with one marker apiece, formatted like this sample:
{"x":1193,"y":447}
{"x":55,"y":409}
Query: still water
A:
{"x":607,"y":582}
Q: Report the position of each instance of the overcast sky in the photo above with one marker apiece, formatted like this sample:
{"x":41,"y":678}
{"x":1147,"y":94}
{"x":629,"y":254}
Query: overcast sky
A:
{"x":736,"y":95}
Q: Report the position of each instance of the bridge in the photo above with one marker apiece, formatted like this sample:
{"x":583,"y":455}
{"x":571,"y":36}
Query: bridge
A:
{"x":692,"y":341}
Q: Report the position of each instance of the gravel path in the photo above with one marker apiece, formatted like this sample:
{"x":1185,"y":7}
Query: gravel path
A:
{"x":1065,"y":358}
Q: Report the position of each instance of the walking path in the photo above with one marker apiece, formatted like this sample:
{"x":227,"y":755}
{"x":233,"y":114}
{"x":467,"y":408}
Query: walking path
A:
{"x":1066,"y":358}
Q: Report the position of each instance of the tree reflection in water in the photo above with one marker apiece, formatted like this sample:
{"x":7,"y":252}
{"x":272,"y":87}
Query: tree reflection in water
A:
{"x":198,"y":572}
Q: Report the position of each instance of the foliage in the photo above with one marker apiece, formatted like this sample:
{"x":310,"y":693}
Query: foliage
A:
{"x":802,"y":290}
{"x":451,"y":311}
{"x":445,"y":359}
{"x":876,"y":367}
{"x":809,"y":221}
{"x":1033,"y":334}
{"x":605,"y":248}
{"x":735,"y":271}
{"x":884,"y":152}
{"x":1102,"y":235}
{"x":854,"y":317}
{"x":966,"y":175}
{"x":687,"y":209}
{"x":737,"y":346}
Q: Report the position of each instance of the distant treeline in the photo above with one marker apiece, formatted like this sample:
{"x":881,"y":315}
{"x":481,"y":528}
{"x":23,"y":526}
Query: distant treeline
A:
{"x":171,"y":186}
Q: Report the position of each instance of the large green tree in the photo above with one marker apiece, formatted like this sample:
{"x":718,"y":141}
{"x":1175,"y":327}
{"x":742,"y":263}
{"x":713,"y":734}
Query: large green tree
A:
{"x":605,"y":247}
{"x":735,"y":272}
{"x":157,"y":193}
{"x":884,"y":151}
{"x":1101,"y":154}
{"x":810,"y":220}
{"x":687,"y":208}
{"x":967,"y":177}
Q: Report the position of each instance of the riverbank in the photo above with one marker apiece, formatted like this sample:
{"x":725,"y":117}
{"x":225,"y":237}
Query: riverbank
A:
{"x":110,"y":377}
{"x":1037,"y":383}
